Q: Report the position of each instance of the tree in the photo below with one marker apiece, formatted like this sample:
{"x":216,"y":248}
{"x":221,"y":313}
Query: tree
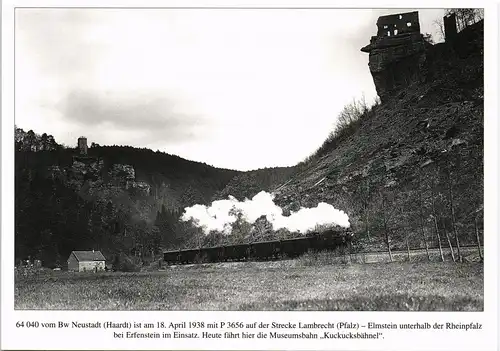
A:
{"x":452,"y":213}
{"x":476,"y":228}
{"x":465,"y":17}
{"x":363,"y":197}
{"x":406,"y":231}
{"x":385,"y":219}
{"x":351,"y":113}
{"x":421,"y":215}
{"x":438,"y":23}
{"x":30,"y":141}
{"x":241,"y":230}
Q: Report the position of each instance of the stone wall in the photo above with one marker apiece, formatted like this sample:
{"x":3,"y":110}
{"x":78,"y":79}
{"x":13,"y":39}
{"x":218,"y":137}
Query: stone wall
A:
{"x":398,"y":24}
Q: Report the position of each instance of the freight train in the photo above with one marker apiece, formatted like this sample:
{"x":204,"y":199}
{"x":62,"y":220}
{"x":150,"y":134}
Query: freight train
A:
{"x":264,"y":250}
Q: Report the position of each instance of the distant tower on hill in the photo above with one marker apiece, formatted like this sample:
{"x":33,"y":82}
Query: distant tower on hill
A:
{"x":82,"y":145}
{"x":82,"y":155}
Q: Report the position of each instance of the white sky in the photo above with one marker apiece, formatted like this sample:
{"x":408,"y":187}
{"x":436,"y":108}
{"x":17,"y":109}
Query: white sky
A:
{"x":239,"y":89}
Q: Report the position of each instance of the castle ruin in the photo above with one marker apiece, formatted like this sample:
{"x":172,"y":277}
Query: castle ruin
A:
{"x":397,"y":53}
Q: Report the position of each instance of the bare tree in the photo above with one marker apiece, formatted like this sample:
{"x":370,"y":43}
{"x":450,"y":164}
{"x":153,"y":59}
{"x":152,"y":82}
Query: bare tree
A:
{"x":476,"y":227}
{"x":452,"y":212}
{"x":386,"y":226}
{"x":465,"y":17}
{"x":451,"y":247}
{"x":366,"y":201}
{"x":434,"y":216}
{"x":403,"y":197}
{"x":438,"y":23}
{"x":421,"y":215}
{"x":352,"y":112}
{"x":407,"y":237}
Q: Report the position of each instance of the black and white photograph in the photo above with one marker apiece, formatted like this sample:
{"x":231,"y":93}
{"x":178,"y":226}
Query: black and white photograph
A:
{"x":249,"y":159}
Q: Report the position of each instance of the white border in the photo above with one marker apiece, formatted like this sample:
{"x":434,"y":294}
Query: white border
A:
{"x":12,"y":338}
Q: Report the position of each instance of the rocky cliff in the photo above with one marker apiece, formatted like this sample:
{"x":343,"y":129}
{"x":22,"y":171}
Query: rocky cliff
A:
{"x":397,"y":54}
{"x":411,"y":173}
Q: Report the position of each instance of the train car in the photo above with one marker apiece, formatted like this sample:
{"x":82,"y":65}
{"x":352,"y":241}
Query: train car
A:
{"x":239,"y":252}
{"x":266,"y":250}
{"x":171,"y":257}
{"x":190,"y":256}
{"x":292,"y":248}
{"x":213,"y":254}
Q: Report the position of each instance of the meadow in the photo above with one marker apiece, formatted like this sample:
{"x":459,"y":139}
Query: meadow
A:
{"x":278,"y":285}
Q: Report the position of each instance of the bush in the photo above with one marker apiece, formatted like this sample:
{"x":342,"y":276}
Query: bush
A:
{"x":348,"y":122}
{"x":153,"y":266}
{"x":351,"y":113}
{"x":124,"y":263}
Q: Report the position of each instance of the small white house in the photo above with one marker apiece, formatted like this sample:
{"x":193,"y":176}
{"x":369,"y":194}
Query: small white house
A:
{"x":81,"y":261}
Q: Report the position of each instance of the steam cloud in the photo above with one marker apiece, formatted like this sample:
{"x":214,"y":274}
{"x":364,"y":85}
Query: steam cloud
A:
{"x":223,"y":213}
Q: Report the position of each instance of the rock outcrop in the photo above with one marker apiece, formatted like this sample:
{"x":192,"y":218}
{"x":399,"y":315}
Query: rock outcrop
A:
{"x":90,"y":171}
{"x":397,"y":53}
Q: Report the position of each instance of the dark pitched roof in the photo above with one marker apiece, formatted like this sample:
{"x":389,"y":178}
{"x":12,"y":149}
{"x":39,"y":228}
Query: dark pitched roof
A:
{"x":89,"y":256}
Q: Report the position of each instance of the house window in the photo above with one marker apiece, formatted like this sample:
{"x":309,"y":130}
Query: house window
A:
{"x":400,"y":16}
{"x":408,"y":24}
{"x":388,"y":33}
{"x":395,"y":32}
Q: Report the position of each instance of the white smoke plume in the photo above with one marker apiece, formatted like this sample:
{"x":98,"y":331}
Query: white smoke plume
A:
{"x":223,"y":213}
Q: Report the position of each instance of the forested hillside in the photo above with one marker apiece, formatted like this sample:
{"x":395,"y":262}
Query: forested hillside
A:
{"x":63,"y":205}
{"x":409,"y":172}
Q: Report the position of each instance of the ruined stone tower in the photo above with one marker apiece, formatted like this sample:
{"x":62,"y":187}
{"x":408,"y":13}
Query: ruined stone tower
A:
{"x":82,"y":145}
{"x":397,"y":53}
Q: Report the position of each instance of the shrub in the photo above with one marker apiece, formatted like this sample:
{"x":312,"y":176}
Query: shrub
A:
{"x":123,"y":263}
{"x":348,"y":122}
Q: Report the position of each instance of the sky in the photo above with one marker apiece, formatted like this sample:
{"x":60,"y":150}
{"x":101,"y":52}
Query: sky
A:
{"x":240,"y":89}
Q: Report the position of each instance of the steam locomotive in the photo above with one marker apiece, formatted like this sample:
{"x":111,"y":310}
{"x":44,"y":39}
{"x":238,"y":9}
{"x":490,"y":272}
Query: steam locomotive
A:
{"x":261,"y":251}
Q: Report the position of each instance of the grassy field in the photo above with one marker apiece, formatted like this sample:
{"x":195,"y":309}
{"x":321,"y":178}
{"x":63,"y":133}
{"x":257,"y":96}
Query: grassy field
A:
{"x":279,"y":285}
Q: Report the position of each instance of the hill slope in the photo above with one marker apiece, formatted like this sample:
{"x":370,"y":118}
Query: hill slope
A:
{"x":416,"y":158}
{"x":411,"y":173}
{"x":247,"y":184}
